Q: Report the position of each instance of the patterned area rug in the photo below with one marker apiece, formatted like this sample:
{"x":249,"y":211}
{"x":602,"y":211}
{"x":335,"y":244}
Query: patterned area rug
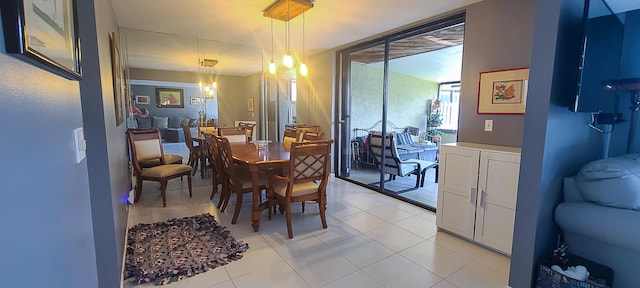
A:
{"x":173,"y":250}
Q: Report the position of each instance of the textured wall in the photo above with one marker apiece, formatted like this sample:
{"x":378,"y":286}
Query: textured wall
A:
{"x":407,"y":103}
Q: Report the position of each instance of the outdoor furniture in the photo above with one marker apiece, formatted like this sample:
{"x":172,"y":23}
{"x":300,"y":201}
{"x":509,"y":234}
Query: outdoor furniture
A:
{"x":393,"y":164}
{"x":146,"y":145}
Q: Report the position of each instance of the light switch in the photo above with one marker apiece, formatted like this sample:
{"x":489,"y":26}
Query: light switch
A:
{"x":488,"y":125}
{"x":79,"y":144}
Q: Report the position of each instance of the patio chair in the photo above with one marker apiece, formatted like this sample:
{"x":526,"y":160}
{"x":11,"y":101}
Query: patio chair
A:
{"x":393,"y":164}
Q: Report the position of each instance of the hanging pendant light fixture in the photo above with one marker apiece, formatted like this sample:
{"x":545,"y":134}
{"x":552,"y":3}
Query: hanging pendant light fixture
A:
{"x":285,"y":10}
{"x":272,"y":65}
{"x":287,"y":60}
{"x":304,"y":71}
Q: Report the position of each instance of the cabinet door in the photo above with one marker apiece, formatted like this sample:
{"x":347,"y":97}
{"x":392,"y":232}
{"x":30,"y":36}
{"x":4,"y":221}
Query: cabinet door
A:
{"x":457,"y":190}
{"x":498,"y":185}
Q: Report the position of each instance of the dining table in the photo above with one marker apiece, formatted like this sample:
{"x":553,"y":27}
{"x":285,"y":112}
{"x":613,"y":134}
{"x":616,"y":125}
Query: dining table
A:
{"x":274,"y":156}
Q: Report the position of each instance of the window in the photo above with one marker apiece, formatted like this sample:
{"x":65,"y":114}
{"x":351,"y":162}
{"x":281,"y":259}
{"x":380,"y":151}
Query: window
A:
{"x":449,"y":95}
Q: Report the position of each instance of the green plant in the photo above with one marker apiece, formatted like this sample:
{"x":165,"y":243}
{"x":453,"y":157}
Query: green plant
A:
{"x":434,"y":132}
{"x":434,"y":119}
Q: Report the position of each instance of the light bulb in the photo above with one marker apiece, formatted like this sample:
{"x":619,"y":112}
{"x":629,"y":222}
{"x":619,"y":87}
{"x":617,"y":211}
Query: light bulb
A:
{"x":303,"y":69}
{"x":272,"y":67}
{"x":206,"y":88}
{"x":211,"y":92}
{"x":215,"y":85}
{"x":287,"y":60}
{"x":200,"y":83}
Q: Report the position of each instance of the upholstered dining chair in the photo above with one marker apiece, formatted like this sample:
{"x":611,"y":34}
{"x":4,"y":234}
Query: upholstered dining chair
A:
{"x":291,"y":135}
{"x":306,"y":180}
{"x":234,"y":134}
{"x":311,"y":135}
{"x":195,"y":151}
{"x":218,"y":177}
{"x":168,"y":158}
{"x":146,"y":145}
{"x":239,"y":180}
{"x":248,"y":128}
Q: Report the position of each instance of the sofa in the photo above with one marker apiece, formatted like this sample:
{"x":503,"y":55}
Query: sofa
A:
{"x":170,"y":127}
{"x":600,"y":216}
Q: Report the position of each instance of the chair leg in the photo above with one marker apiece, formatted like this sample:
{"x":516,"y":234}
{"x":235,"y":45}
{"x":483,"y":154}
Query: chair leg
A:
{"x":214,"y":185}
{"x":194,"y":167}
{"x":224,"y":197}
{"x":163,"y":192}
{"x":190,"y":186}
{"x":436,"y":180}
{"x":418,"y":179}
{"x":323,"y":207}
{"x":287,"y":209}
{"x":303,"y":206}
{"x":236,"y":213}
{"x":138,"y":189}
{"x":424,"y":173}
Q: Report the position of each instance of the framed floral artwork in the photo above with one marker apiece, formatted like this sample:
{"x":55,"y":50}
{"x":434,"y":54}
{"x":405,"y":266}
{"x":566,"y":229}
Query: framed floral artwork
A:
{"x":503,"y":92}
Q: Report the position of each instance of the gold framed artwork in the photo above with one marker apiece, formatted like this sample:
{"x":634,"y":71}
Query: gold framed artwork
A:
{"x":141,"y":99}
{"x":118,"y":79}
{"x":503,"y":91}
{"x":250,"y":105}
{"x":169,"y":98}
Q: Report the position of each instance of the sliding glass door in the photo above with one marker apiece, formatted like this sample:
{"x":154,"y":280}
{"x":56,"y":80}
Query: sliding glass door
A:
{"x":388,"y":90}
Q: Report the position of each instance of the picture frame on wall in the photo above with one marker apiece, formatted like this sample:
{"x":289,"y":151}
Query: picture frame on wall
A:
{"x":250,"y":105}
{"x":141,"y":99}
{"x":43,"y":33}
{"x":118,"y":79}
{"x":197,"y":101}
{"x":503,"y":91}
{"x":169,"y":98}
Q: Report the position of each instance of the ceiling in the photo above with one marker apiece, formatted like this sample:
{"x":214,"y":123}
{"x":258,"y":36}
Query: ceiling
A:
{"x":174,"y":35}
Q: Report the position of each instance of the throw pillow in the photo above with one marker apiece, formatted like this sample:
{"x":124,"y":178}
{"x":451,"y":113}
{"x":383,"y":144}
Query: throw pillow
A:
{"x":403,"y":138}
{"x":193,"y":122}
{"x":184,"y":121}
{"x":174,"y":122}
{"x":160,"y":122}
{"x":143,"y":123}
{"x":611,"y":182}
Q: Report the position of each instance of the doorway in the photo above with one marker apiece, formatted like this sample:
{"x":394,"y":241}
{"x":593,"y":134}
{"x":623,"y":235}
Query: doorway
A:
{"x":391,"y":86}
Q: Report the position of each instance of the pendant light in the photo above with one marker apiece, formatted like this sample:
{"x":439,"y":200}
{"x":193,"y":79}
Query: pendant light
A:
{"x":303,"y":67}
{"x":287,"y":60}
{"x":272,"y":65}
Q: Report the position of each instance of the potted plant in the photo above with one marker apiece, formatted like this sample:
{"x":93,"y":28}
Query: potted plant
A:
{"x":434,"y":119}
{"x":434,"y":134}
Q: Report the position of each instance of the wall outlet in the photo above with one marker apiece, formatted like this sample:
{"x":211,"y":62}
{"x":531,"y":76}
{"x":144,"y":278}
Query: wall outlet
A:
{"x":488,"y":125}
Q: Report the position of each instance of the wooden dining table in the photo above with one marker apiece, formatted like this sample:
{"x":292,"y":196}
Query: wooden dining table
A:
{"x":276,"y":156}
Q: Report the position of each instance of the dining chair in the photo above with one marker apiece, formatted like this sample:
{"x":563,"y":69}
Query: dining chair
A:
{"x":239,"y":180}
{"x":291,"y":135}
{"x":195,"y":151}
{"x":248,"y":128}
{"x":311,"y":135}
{"x":306,"y":180}
{"x":147,"y":145}
{"x":217,"y":177}
{"x":234,"y":134}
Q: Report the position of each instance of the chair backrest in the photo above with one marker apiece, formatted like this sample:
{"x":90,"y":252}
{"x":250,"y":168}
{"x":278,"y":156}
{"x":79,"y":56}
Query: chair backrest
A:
{"x":248,"y":128}
{"x":291,"y":135}
{"x":393,"y":164}
{"x":145,"y":144}
{"x":311,"y":136}
{"x":227,"y":167}
{"x":234,"y":134}
{"x":213,"y":153}
{"x":310,"y":162}
{"x":188,"y":138}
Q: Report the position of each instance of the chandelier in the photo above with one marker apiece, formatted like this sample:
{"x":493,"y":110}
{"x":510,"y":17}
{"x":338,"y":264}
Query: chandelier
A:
{"x":285,"y":10}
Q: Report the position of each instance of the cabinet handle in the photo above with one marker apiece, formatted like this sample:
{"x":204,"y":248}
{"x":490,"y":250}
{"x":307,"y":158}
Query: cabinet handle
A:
{"x":483,"y":199}
{"x":472,"y":197}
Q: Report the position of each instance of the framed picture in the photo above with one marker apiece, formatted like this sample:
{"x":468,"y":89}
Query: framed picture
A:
{"x":197,"y":101}
{"x":503,"y":92}
{"x":43,"y":33}
{"x":118,"y":79}
{"x":169,"y":98}
{"x":141,"y":99}
{"x":250,"y":105}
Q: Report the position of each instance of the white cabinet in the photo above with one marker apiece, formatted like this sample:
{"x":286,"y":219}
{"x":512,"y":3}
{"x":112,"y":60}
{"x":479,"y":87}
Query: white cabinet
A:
{"x":477,"y":189}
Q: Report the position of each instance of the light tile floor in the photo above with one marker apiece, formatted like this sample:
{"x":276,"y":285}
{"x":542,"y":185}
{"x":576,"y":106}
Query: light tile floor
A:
{"x":372,"y":241}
